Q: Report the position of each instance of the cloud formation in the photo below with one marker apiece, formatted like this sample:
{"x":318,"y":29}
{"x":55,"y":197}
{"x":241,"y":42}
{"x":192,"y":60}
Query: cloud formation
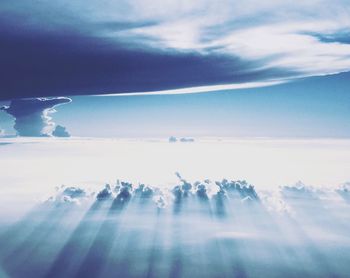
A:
{"x":32,"y":116}
{"x":61,"y":48}
{"x":69,"y":195}
{"x":344,"y":191}
{"x":105,"y":194}
{"x":60,"y":131}
{"x":299,"y":191}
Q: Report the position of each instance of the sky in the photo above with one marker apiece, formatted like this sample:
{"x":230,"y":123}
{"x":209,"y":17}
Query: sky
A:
{"x":271,"y":69}
{"x":308,"y":108}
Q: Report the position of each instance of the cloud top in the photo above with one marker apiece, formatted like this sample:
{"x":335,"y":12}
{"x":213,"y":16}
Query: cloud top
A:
{"x":32,"y":116}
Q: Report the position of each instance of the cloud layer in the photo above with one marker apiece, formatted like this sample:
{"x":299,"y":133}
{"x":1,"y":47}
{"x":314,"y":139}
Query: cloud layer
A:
{"x":65,"y":48}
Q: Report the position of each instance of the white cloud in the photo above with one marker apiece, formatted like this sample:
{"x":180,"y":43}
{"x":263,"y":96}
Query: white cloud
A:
{"x":278,"y":31}
{"x":200,"y":89}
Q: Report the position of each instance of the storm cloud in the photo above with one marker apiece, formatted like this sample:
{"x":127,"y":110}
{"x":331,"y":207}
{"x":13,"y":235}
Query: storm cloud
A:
{"x":64,"y":48}
{"x":32,"y":116}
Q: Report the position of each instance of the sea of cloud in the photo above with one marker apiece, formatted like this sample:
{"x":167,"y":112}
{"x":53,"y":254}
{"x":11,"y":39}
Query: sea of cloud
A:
{"x":73,"y":207}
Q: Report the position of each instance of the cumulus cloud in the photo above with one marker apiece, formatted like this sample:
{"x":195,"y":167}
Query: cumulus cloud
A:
{"x":238,"y":189}
{"x":274,"y":202}
{"x":344,"y":191}
{"x":60,"y":131}
{"x":105,"y":194}
{"x":299,"y":191}
{"x":163,"y":197}
{"x":144,"y":191}
{"x":173,"y":139}
{"x":32,"y":116}
{"x":186,"y":140}
{"x":218,"y":194}
{"x":69,"y":195}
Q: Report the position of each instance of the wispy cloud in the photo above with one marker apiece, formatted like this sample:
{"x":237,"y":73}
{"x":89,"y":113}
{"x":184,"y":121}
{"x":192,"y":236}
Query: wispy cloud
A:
{"x":200,"y":89}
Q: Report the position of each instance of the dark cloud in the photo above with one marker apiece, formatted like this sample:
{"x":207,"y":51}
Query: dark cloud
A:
{"x":342,"y":36}
{"x":54,"y":62}
{"x":60,"y":131}
{"x":123,"y":197}
{"x":144,"y":191}
{"x":32,"y":115}
{"x":201,"y":191}
{"x":105,"y":194}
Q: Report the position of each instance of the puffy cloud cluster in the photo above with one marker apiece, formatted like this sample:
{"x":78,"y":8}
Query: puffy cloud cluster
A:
{"x":105,"y":194}
{"x":217,"y":194}
{"x":274,"y":202}
{"x":69,"y":195}
{"x":298,"y":191}
{"x":344,"y":191}
{"x":173,"y":139}
{"x":163,"y":197}
{"x":238,"y":189}
{"x":60,"y":131}
{"x":122,"y":192}
{"x":186,"y":140}
{"x":32,"y":116}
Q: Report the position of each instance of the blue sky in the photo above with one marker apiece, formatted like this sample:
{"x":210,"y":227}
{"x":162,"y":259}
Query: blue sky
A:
{"x":65,"y":48}
{"x":313,"y":107}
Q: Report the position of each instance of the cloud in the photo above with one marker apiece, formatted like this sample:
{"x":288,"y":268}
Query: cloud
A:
{"x":274,"y":202}
{"x":144,"y":192}
{"x":220,"y":194}
{"x":60,"y":131}
{"x":123,"y":197}
{"x":160,"y":201}
{"x":186,"y":140}
{"x":342,"y":37}
{"x":32,"y":116}
{"x":167,"y":47}
{"x":105,"y":194}
{"x":299,"y":191}
{"x":344,"y":191}
{"x":238,"y":189}
{"x":69,"y":195}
